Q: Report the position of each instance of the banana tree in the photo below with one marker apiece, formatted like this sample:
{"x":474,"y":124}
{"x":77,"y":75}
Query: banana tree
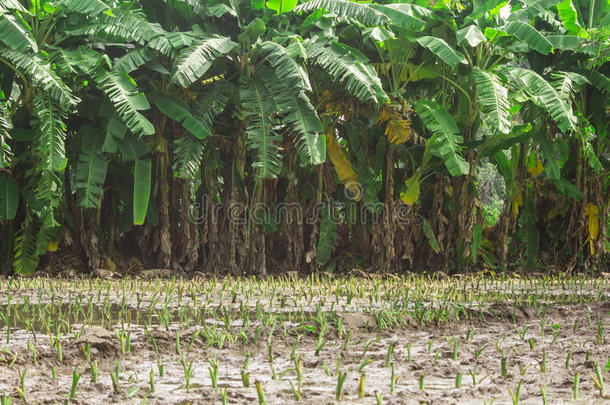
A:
{"x":474,"y":45}
{"x":36,"y":101}
{"x":48,"y":74}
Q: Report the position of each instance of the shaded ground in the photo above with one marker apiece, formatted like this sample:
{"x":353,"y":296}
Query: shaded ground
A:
{"x":548,"y":330}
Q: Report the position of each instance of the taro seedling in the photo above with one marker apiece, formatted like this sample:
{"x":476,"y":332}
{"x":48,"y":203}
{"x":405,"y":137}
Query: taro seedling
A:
{"x":456,"y":348}
{"x":368,"y":360}
{"x":340,"y":381}
{"x":151,"y":380}
{"x":188,"y":373}
{"x":296,"y":391}
{"x":514,"y":396}
{"x":543,"y":362}
{"x":458,"y":380}
{"x":223,"y":396}
{"x":326,"y":369}
{"x":213,"y":370}
{"x":503,"y":365}
{"x":532,"y":343}
{"x":543,"y":394}
{"x":298,"y":367}
{"x":598,"y":379}
{"x":21,"y":389}
{"x":361,"y":385}
{"x":388,"y":355}
{"x":260,"y":393}
{"x":161,"y":367}
{"x":575,"y":387}
{"x":115,"y":376}
{"x":75,"y":379}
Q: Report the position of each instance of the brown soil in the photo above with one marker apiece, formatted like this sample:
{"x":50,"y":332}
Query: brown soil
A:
{"x":524,"y":333}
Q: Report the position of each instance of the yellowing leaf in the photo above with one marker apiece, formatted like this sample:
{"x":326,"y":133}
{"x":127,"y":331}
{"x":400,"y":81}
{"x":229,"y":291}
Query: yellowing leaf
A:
{"x":343,"y":167}
{"x":592,"y":211}
{"x":535,"y":171}
{"x":384,"y":115}
{"x":398,"y":131}
{"x":553,"y":212}
{"x":517,"y":202}
{"x":410,"y":195}
{"x":53,"y":246}
{"x":382,"y":68}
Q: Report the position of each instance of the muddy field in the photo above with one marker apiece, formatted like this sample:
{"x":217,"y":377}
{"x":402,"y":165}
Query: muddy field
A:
{"x":396,"y":340}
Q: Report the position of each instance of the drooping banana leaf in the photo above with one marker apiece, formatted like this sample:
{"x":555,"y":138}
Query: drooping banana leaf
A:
{"x":188,"y":152}
{"x":480,"y":9}
{"x":304,"y":120}
{"x":51,"y":132}
{"x":284,"y":65}
{"x":430,"y":236}
{"x":132,"y":60}
{"x":493,"y":144}
{"x":493,"y":98}
{"x":194,"y":61}
{"x":5,"y":126}
{"x":258,"y":107}
{"x":88,"y":7}
{"x":600,"y":81}
{"x":443,"y":50}
{"x":123,"y":92}
{"x":114,"y":133}
{"x":347,"y":66}
{"x":530,"y":35}
{"x":91,"y":169}
{"x":569,"y":16}
{"x":471,"y":34}
{"x":566,"y":42}
{"x":281,"y":6}
{"x":402,"y":16}
{"x":132,"y":148}
{"x":328,"y":236}
{"x":9,"y":197}
{"x":477,"y":239}
{"x":141,"y":189}
{"x":15,"y":35}
{"x":545,"y":95}
{"x":176,"y":110}
{"x":567,"y":83}
{"x":446,"y":136}
{"x":26,"y":255}
{"x":533,"y":8}
{"x":358,"y":11}
{"x":551,"y":166}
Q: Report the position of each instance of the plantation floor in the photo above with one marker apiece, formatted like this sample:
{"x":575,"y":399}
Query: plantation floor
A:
{"x":305,"y":332}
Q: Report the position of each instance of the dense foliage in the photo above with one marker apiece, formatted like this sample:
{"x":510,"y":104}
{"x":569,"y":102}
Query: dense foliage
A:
{"x":240,"y":136}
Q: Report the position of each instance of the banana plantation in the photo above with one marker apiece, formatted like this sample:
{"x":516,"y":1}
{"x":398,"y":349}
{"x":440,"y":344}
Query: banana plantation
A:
{"x":326,"y":201}
{"x":247,"y":137}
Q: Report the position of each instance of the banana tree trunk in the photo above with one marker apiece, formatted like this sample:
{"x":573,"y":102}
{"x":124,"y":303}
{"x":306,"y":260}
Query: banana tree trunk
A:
{"x":237,"y":209}
{"x":160,"y":191}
